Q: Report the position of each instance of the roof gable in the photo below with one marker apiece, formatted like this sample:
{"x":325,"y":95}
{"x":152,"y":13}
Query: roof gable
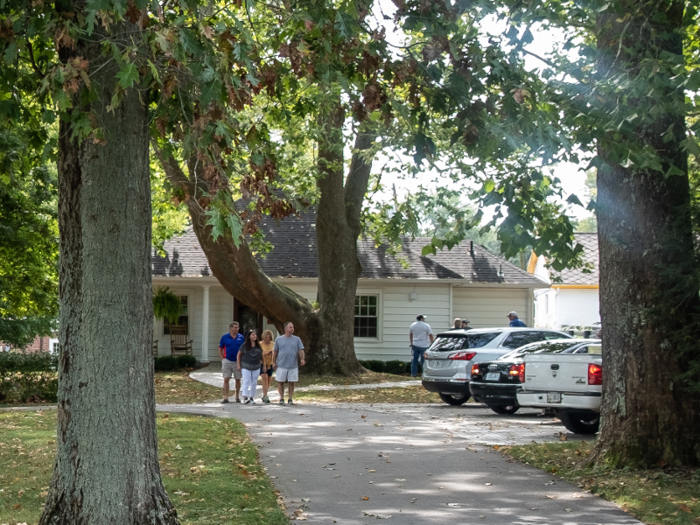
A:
{"x":588,"y":275}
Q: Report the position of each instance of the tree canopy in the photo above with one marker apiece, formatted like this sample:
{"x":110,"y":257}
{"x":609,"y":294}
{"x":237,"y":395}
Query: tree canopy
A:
{"x":28,"y":241}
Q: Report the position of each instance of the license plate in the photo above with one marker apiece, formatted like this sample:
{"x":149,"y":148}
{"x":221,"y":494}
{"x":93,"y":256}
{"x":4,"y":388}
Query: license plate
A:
{"x":435,"y":363}
{"x":493,"y":376}
{"x":553,"y":397}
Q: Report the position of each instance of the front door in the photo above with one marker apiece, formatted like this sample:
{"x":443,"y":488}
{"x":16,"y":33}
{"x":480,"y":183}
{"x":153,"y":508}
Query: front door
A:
{"x":247,"y":318}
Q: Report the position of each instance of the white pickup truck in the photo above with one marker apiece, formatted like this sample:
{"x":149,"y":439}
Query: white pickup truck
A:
{"x":571,"y":384}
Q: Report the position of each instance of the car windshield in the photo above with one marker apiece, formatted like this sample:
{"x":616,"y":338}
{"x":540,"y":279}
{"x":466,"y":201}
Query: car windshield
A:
{"x":460,"y":342}
{"x":543,"y":347}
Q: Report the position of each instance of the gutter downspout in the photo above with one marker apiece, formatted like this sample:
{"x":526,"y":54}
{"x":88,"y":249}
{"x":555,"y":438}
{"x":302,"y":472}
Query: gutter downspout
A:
{"x":450,"y":310}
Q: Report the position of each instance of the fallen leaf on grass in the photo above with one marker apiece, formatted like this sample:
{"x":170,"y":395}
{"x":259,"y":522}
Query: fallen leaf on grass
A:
{"x":365,"y":498}
{"x":17,"y":506}
{"x":178,"y":447}
{"x":685,"y":508}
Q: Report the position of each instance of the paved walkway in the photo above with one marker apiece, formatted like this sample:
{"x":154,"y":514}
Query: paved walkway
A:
{"x":412,"y":464}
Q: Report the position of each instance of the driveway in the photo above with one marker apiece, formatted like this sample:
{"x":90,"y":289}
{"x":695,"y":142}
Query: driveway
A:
{"x":411,"y":464}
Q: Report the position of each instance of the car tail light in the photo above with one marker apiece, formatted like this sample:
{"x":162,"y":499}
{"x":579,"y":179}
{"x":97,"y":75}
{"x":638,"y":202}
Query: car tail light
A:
{"x":475,"y":369}
{"x":518,"y":371}
{"x":595,"y":374}
{"x":462,"y":356}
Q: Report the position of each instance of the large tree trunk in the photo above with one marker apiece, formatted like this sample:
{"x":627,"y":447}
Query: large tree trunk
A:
{"x":327,"y":333}
{"x":648,"y":295}
{"x":106,"y":468}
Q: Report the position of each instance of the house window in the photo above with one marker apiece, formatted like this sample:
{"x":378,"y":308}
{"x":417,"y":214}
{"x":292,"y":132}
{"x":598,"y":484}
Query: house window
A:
{"x":182,"y":325}
{"x":366,"y":319}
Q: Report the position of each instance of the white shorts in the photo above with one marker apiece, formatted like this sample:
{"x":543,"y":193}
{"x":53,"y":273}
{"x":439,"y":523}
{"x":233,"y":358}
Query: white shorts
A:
{"x":230,"y":368}
{"x":287,"y":375}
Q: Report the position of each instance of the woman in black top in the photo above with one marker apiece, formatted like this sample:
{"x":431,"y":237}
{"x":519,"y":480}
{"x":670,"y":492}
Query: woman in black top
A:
{"x":249,"y":361}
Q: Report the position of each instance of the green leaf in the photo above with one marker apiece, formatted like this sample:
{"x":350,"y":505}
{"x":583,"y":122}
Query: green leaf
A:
{"x":128,"y":75}
{"x":11,"y":53}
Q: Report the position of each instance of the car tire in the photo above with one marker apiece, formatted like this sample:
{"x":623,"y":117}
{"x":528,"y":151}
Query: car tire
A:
{"x":580,"y":422}
{"x":454,"y":399}
{"x":511,"y":409}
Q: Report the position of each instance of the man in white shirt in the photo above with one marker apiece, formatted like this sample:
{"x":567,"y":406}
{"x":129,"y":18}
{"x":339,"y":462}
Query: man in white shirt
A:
{"x":421,"y":338}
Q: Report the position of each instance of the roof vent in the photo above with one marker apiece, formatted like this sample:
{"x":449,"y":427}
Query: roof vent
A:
{"x":500,"y":270}
{"x":471,"y":247}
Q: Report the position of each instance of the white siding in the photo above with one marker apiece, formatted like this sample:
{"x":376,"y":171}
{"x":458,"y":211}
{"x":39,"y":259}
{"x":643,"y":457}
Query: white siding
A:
{"x":487,"y":307}
{"x":578,"y":307}
{"x":397,"y":311}
{"x":398,"y":305}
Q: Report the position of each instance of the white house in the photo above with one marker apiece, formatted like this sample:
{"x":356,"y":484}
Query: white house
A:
{"x":571,"y":300}
{"x":466,"y":282}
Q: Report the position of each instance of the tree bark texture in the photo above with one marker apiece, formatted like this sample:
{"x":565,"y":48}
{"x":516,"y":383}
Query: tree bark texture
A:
{"x":648,"y":294}
{"x":327,"y":333}
{"x":106,"y":469}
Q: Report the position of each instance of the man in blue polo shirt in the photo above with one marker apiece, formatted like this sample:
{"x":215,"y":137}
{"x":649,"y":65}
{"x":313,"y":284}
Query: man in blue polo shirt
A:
{"x":228,"y":350}
{"x":514,"y":321}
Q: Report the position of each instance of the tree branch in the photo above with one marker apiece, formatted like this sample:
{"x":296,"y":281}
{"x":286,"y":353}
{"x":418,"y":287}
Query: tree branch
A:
{"x":31,"y":58}
{"x":358,"y":179}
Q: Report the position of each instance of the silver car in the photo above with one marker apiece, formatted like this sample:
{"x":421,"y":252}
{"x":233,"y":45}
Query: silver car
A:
{"x":449,"y":360}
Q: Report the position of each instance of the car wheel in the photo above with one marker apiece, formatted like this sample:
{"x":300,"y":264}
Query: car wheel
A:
{"x":512,"y":409}
{"x":580,"y":422}
{"x":455,"y":399}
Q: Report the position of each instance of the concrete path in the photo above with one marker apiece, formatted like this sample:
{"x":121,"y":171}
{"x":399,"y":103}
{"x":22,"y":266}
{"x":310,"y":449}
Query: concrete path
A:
{"x":411,"y":464}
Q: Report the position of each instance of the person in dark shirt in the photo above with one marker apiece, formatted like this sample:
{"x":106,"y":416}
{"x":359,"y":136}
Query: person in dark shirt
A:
{"x":249,"y":362}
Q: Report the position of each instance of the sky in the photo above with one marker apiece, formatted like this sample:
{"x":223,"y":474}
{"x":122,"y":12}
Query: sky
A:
{"x":572,"y":177}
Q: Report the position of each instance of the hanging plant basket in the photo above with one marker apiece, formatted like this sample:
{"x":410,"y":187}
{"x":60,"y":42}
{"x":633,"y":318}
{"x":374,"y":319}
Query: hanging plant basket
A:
{"x":166,"y":305}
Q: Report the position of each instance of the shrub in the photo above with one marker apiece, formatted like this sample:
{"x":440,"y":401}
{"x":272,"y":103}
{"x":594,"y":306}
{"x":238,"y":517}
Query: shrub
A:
{"x":186,"y":361}
{"x":165,"y":363}
{"x":21,"y":362}
{"x":397,"y":367}
{"x":28,"y":377}
{"x":373,"y":365}
{"x":390,"y":367}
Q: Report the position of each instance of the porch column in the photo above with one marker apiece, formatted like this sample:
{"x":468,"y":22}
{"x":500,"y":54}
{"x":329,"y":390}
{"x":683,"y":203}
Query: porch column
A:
{"x":205,"y":325}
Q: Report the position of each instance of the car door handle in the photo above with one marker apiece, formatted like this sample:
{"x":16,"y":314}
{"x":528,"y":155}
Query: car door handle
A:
{"x":555,"y":367}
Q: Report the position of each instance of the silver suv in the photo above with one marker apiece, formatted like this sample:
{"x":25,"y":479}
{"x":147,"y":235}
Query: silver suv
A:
{"x":449,"y":360}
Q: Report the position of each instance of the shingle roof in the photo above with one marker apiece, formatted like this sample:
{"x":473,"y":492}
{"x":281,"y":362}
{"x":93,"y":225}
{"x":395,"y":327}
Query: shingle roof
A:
{"x":294,"y":255}
{"x":589,"y":274}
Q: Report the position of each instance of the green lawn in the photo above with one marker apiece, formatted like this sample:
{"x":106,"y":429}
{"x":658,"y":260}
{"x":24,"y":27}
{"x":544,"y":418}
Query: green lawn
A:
{"x":209,"y":467}
{"x":655,"y":496}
